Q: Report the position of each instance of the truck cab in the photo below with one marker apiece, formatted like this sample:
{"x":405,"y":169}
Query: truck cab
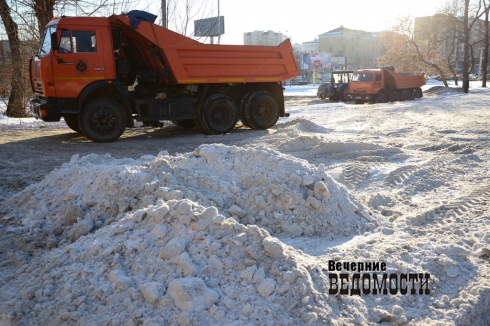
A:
{"x":338,"y":87}
{"x":364,"y":84}
{"x":75,"y":53}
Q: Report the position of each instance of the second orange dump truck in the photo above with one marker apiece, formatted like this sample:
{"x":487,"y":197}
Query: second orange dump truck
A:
{"x":101,"y":74}
{"x":384,"y":85}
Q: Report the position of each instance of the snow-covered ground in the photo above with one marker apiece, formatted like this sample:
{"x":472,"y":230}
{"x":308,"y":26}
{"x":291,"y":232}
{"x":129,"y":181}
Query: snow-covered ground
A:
{"x":251,"y":234}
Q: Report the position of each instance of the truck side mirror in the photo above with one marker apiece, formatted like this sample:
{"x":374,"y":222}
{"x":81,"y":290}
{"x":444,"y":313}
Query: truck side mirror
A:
{"x":54,"y":41}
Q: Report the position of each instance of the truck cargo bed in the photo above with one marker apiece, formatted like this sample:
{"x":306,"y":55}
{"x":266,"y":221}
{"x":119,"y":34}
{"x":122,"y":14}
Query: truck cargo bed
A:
{"x":191,"y":62}
{"x":403,"y":81}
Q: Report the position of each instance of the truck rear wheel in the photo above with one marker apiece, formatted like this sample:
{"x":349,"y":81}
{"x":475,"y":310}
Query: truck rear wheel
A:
{"x":219,"y":114}
{"x":418,"y":93}
{"x":102,"y":120}
{"x":185,"y":123}
{"x":241,"y":108}
{"x":72,"y":122}
{"x":405,"y":96}
{"x":261,"y":110}
{"x":344,"y":93}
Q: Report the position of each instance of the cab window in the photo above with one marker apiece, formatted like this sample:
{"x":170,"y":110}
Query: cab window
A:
{"x":84,"y":41}
{"x":65,"y":42}
{"x":377,"y":78}
{"x":363,"y":77}
{"x":46,"y":45}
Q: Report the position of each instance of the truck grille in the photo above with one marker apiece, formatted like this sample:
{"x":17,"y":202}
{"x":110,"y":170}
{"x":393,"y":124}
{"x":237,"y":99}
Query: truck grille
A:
{"x":39,"y":88}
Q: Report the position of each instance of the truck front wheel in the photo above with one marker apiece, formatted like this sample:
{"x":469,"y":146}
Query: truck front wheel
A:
{"x":102,"y":120}
{"x":382,"y":97}
{"x":219,"y":114}
{"x":261,"y":110}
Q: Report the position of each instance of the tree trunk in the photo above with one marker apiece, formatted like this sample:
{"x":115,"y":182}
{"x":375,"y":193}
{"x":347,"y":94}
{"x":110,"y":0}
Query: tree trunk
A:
{"x":15,"y":107}
{"x":44,"y":13}
{"x":485,"y":52}
{"x":466,"y":41}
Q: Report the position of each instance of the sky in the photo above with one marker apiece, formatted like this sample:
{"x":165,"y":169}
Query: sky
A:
{"x":304,"y":20}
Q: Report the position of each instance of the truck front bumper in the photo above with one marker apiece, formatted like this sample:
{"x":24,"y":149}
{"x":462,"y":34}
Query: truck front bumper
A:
{"x":45,"y":109}
{"x":361,"y":97}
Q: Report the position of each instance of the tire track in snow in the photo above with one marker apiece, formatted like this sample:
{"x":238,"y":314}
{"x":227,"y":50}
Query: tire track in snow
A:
{"x":471,"y":205}
{"x":400,"y":175}
{"x":354,"y":174}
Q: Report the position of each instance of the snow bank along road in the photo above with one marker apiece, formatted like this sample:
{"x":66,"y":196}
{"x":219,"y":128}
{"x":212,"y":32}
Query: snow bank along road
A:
{"x":342,"y":214}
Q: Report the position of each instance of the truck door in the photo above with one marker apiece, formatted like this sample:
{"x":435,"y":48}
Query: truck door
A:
{"x":79,"y":60}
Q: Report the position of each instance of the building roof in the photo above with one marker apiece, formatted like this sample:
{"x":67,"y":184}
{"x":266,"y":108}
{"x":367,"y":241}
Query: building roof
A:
{"x":343,"y":29}
{"x":314,"y":41}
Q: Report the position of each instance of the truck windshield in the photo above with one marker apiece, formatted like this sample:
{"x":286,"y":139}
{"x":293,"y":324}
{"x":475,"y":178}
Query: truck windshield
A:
{"x":46,"y":45}
{"x":342,"y":78}
{"x":363,"y":77}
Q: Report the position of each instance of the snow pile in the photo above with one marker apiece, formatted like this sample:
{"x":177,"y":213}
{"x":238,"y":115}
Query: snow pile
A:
{"x":301,"y":137}
{"x":255,"y":186}
{"x":174,"y":262}
{"x":165,"y":239}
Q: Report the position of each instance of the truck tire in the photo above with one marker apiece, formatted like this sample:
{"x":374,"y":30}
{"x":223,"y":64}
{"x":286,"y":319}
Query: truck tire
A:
{"x":382,"y":97}
{"x":418,"y":93}
{"x":102,"y":120}
{"x":261,"y":110}
{"x":185,"y":123}
{"x":344,"y":93}
{"x":219,"y":114}
{"x":241,"y":107}
{"x":411,"y":96}
{"x":72,"y":122}
{"x":405,"y":96}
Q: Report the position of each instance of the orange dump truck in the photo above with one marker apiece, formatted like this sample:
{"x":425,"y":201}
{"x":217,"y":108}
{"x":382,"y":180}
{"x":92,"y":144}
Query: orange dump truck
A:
{"x":384,"y":85}
{"x":101,"y":74}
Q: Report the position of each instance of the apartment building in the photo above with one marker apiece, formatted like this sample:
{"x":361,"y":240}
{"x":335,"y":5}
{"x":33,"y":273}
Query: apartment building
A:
{"x":352,"y":49}
{"x":264,"y":38}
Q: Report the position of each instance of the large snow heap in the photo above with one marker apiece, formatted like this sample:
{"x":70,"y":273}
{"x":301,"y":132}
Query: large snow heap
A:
{"x":177,"y":239}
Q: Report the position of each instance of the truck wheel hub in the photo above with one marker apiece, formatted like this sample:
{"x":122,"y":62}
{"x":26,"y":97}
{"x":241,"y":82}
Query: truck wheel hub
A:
{"x":219,"y":115}
{"x":103,"y":120}
{"x":262,"y":110}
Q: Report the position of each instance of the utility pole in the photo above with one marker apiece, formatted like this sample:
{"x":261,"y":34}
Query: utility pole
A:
{"x":219,"y":26}
{"x":164,"y":13}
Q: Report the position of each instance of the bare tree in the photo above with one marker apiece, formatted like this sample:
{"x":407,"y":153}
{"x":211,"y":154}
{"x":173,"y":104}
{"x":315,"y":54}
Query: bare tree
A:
{"x":422,"y":47}
{"x":398,"y":52}
{"x":15,"y":107}
{"x":486,"y":42}
{"x":182,"y":13}
{"x":464,"y":19}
